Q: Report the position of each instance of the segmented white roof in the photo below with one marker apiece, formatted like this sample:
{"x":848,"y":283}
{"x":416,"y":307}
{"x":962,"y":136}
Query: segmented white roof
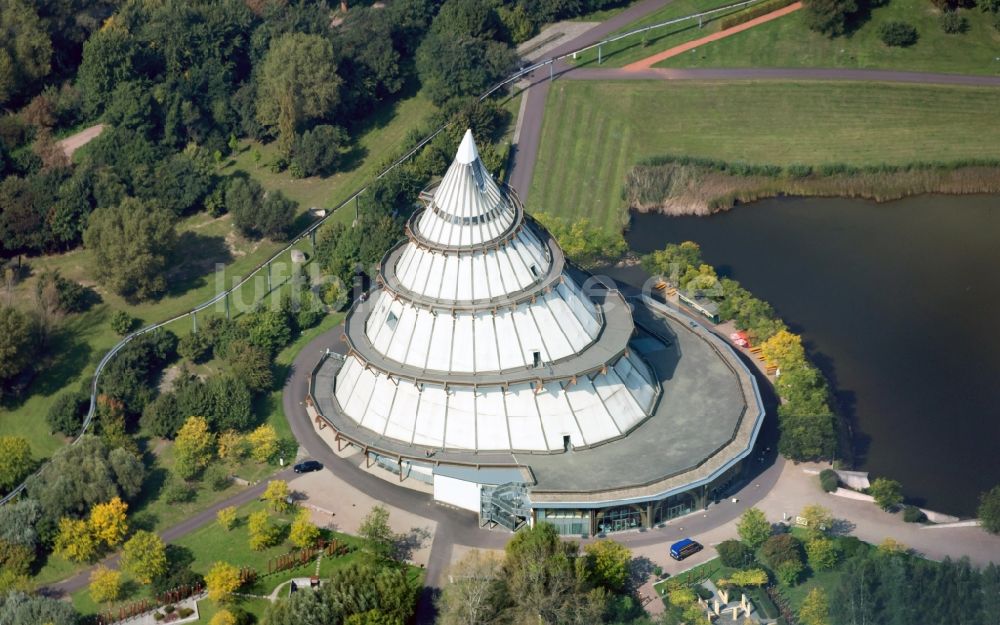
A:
{"x":498,"y":309}
{"x":463,"y":276}
{"x":557,"y":324}
{"x":468,"y":207}
{"x":589,"y":411}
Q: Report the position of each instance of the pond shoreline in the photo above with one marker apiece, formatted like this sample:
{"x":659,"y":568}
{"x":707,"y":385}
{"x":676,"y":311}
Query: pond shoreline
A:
{"x":676,"y":189}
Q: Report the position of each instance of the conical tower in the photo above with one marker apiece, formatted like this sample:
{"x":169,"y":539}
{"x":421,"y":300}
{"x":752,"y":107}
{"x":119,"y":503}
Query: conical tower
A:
{"x":480,"y":337}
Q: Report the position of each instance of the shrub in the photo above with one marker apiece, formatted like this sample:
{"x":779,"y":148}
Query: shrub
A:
{"x":318,"y":151}
{"x":829,"y":480}
{"x":887,"y":493}
{"x":185,"y":612}
{"x":989,"y":510}
{"x":898,"y":34}
{"x":122,"y":322}
{"x":913,"y":514}
{"x":735,"y":554}
{"x":178,"y":491}
{"x":217,"y":476}
{"x":67,"y":412}
{"x":953,"y":23}
{"x":781,"y":548}
{"x":195,"y":347}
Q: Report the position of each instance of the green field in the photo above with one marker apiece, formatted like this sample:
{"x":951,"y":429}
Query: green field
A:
{"x":204,"y":241}
{"x":593,"y":132}
{"x":638,"y":47}
{"x":787,"y":42}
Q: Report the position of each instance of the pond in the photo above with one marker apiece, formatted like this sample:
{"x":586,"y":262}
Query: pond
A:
{"x":896,"y":303}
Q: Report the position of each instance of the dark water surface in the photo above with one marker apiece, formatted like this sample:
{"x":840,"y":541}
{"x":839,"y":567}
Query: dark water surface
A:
{"x":898,"y":303}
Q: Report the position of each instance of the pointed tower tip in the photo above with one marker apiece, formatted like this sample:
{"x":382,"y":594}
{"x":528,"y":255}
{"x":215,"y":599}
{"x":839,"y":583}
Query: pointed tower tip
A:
{"x":467,"y":152}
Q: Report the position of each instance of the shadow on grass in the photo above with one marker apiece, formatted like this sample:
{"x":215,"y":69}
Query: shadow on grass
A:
{"x":195,"y":258}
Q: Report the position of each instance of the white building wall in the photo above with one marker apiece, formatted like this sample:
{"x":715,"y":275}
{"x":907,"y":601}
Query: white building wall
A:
{"x":458,"y":493}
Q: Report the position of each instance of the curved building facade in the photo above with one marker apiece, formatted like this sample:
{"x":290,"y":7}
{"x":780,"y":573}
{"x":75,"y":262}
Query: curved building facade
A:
{"x":480,"y":342}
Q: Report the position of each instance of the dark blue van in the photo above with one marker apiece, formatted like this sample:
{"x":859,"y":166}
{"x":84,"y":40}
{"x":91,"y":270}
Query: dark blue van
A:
{"x":683,"y":548}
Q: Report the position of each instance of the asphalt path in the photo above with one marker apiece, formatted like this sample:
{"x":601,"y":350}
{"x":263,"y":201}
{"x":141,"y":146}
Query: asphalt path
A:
{"x":526,"y":151}
{"x":171,"y":534}
{"x":457,"y":527}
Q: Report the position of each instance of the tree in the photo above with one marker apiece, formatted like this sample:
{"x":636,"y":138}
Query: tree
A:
{"x":250,"y":363}
{"x":318,"y":151}
{"x":131,"y":243}
{"x":608,"y":564}
{"x":829,"y":17}
{"x":898,"y":34}
{"x":110,"y":57}
{"x":357,"y":593}
{"x":18,"y":346}
{"x":781,"y":547}
{"x":891,"y":546}
{"x":18,"y":608}
{"x":789,"y":571}
{"x":380,"y":540}
{"x":829,"y":480}
{"x":748,"y":578}
{"x":822,"y":554}
{"x":232,"y":446}
{"x":122,"y":322}
{"x":989,"y":510}
{"x":276,"y":494}
{"x":194,"y":447}
{"x":231,"y":403}
{"x":222,"y":580}
{"x":145,"y":556}
{"x":223,"y":617}
{"x":304,"y":532}
{"x":79,"y":476}
{"x":15,"y":461}
{"x":815,"y":608}
{"x":226,"y":517}
{"x":105,"y":584}
{"x":298,"y":82}
{"x":75,"y":541}
{"x":108,"y":522}
{"x":887,"y":493}
{"x":784,"y":349}
{"x":67,"y":412}
{"x":25,"y":49}
{"x":258,"y":214}
{"x":18,"y":537}
{"x":263,"y":533}
{"x":162,"y":417}
{"x":474,"y":594}
{"x":753,"y":528}
{"x":734,"y":554}
{"x":195,"y":347}
{"x":451,"y":66}
{"x":818,"y":520}
{"x":263,"y":443}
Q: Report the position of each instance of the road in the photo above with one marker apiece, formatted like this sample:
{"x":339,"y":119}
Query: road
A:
{"x":526,"y":151}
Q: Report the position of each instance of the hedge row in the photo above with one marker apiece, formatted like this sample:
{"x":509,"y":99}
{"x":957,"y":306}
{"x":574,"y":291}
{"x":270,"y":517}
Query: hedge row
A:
{"x":739,"y":168}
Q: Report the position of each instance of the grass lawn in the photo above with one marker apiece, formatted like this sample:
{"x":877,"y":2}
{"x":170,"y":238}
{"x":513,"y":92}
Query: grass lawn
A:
{"x":638,"y":47}
{"x":593,"y":132}
{"x":787,"y":42}
{"x":204,"y":243}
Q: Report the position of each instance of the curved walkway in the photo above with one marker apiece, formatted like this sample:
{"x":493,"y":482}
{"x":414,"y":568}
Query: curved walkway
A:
{"x":650,"y":61}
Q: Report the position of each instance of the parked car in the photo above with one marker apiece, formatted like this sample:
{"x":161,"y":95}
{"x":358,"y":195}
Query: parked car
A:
{"x":308,"y":466}
{"x":683,"y":548}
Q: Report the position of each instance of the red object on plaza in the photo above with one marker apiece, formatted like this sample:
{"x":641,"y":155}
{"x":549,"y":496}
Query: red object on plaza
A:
{"x":740,"y":338}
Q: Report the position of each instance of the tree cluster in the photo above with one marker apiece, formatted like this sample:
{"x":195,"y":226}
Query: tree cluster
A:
{"x":540,"y":579}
